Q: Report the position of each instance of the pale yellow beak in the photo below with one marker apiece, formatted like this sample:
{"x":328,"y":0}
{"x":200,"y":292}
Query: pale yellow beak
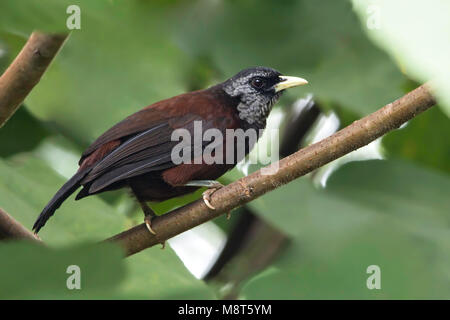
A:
{"x":289,"y":82}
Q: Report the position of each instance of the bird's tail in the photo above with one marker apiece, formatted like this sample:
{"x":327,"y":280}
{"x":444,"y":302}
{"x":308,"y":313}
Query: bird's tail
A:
{"x":66,"y":190}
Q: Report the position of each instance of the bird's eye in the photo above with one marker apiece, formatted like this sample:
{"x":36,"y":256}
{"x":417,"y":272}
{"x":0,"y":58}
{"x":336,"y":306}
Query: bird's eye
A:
{"x":257,"y":83}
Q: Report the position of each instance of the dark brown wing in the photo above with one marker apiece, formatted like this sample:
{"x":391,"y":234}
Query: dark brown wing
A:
{"x":140,"y":154}
{"x":145,"y":138}
{"x":155,"y":114}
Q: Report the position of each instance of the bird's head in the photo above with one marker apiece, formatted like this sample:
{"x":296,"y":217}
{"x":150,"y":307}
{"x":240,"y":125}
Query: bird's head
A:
{"x":258,"y":89}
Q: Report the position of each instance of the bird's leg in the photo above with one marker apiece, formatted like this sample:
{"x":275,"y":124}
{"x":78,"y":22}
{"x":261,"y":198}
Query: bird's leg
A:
{"x":148,"y":216}
{"x":148,"y":212}
{"x":212,"y":186}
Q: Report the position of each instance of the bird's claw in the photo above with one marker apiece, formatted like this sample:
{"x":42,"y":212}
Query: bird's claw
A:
{"x":148,"y":223}
{"x":207,"y":198}
{"x":207,"y":195}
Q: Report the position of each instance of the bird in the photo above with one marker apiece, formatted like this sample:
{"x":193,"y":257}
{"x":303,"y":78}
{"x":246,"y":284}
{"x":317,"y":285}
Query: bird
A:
{"x":138,"y":152}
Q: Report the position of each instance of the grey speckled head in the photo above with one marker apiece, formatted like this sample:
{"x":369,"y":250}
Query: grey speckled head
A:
{"x":255,"y":88}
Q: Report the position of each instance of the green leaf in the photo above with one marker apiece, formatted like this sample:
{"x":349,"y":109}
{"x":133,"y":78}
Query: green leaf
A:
{"x":320,"y":42}
{"x":121,"y":60}
{"x":388,"y":213}
{"x":26,"y":186}
{"x":33,"y":271}
{"x":15,"y":135}
{"x":23,"y":17}
{"x":422,"y":141}
{"x":3,"y":56}
{"x":415,"y":33}
{"x":357,"y":193}
{"x":411,"y":268}
{"x":107,"y":71}
{"x":159,"y":274}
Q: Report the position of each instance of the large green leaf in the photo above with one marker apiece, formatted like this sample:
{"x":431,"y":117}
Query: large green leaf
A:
{"x":388,"y":213}
{"x":15,"y":135}
{"x":26,"y":185}
{"x":319,"y":41}
{"x":159,"y":274}
{"x":411,"y":268}
{"x":22,"y":17}
{"x":423,"y":140}
{"x":121,"y":60}
{"x":416,"y":34}
{"x":129,"y":54}
{"x":32,"y":271}
{"x":356,"y":194}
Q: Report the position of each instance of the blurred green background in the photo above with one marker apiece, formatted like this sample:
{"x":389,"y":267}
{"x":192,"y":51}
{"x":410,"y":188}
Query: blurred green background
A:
{"x":313,"y":238}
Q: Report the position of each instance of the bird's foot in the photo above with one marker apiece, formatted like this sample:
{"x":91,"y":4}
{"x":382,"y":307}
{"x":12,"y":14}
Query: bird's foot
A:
{"x":207,"y":195}
{"x":212,"y":186}
{"x":148,"y":223}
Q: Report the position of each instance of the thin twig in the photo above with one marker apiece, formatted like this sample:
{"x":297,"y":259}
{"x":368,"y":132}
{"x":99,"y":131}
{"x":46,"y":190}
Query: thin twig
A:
{"x":26,"y":71}
{"x":12,"y":229}
{"x":244,"y":190}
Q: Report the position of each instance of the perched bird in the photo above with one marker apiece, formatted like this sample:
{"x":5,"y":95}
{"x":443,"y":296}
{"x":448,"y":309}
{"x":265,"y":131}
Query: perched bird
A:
{"x":137,"y":154}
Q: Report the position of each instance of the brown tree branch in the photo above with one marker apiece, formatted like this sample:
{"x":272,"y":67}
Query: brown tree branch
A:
{"x":15,"y":84}
{"x":244,"y":190}
{"x":12,"y":229}
{"x":26,"y":71}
